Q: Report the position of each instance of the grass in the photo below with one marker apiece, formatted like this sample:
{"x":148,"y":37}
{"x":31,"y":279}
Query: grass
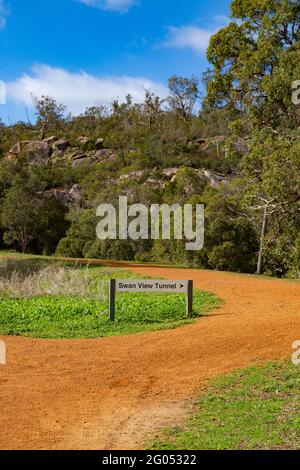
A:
{"x":54,"y":301}
{"x":254,"y":408}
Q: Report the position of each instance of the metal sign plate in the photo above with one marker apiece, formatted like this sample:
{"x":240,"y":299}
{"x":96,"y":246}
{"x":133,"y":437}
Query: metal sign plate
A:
{"x":145,"y":285}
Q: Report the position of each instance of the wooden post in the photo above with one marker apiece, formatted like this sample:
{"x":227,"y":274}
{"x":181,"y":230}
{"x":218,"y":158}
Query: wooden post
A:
{"x":112,"y":299}
{"x":189,"y":301}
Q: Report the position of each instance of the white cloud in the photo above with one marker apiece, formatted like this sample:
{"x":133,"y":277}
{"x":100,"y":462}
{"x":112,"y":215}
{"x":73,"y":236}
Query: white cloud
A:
{"x":190,"y":37}
{"x":4,"y":11}
{"x":78,"y":90}
{"x":194,"y":37}
{"x":113,"y":5}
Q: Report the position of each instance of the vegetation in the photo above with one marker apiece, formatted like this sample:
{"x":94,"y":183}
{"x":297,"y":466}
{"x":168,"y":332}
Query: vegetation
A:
{"x":239,"y":155}
{"x":255,"y":408}
{"x":55,"y":301}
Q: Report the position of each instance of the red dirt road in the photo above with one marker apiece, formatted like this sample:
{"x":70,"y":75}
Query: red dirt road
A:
{"x":115,"y":393}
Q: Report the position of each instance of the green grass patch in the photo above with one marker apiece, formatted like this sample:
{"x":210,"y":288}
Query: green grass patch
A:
{"x":52,"y":316}
{"x":255,"y":408}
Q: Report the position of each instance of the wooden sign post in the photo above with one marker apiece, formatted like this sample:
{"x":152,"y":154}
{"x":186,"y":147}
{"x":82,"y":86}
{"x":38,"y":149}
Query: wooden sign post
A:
{"x":189,"y":298}
{"x":151,"y":286}
{"x":112,"y":299}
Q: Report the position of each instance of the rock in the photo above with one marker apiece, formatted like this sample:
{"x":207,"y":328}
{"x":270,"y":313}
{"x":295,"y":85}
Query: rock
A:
{"x":63,"y":195}
{"x":38,"y":152}
{"x":170,"y":172}
{"x":167,"y":172}
{"x":80,"y":160}
{"x":214,"y":179}
{"x":202,"y":143}
{"x":159,"y":177}
{"x":99,"y":144}
{"x":75,"y":192}
{"x":104,"y":154}
{"x":82,"y":140}
{"x":51,"y":140}
{"x":60,"y":145}
{"x":37,"y":146}
{"x":205,"y":144}
{"x":60,"y":194}
{"x":18,"y":148}
{"x":132,"y":175}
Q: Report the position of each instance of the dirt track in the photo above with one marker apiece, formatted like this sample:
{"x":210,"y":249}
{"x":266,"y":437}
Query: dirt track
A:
{"x":114,"y":393}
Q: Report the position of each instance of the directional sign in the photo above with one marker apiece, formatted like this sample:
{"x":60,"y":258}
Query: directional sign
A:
{"x":151,"y":286}
{"x":127,"y":285}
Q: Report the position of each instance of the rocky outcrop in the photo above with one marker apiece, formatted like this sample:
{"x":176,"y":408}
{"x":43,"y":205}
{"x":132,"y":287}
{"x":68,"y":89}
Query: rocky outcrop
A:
{"x":63,"y":195}
{"x":61,"y":151}
{"x":51,"y":140}
{"x":104,"y":154}
{"x":99,"y":144}
{"x":167,"y":172}
{"x":18,"y":148}
{"x":37,"y":148}
{"x":80,"y":160}
{"x":60,"y":144}
{"x":82,"y":140}
{"x":91,"y":157}
{"x":132,"y":175}
{"x":38,"y":152}
{"x":212,"y":144}
{"x":214,"y":179}
{"x":75,"y":192}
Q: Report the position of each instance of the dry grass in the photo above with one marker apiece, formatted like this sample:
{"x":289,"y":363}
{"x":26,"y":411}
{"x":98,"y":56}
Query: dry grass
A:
{"x":52,"y":280}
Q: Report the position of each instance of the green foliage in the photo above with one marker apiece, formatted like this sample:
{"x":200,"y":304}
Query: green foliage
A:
{"x":80,"y":235}
{"x":29,"y":221}
{"x":49,"y":115}
{"x":77,"y":317}
{"x":255,"y":62}
{"x":184,"y":94}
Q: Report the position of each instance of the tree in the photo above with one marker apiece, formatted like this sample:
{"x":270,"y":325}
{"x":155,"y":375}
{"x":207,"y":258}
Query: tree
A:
{"x":19,"y":217}
{"x":255,"y":61}
{"x":184,"y":94}
{"x":245,"y":53}
{"x":80,"y":235}
{"x":49,"y":115}
{"x":153,"y":112}
{"x":230,"y":240}
{"x":52,"y":225}
{"x":272,"y":195}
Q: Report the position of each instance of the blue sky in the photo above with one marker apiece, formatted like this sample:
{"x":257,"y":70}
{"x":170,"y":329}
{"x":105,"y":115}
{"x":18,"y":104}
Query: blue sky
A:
{"x":86,"y":52}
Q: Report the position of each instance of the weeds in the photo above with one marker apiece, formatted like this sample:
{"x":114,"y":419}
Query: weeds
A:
{"x":52,"y":280}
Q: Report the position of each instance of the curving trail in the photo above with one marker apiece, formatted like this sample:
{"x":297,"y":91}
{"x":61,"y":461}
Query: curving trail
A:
{"x":114,"y":393}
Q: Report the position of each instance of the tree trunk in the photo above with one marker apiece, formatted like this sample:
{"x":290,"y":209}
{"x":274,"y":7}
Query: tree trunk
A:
{"x":262,"y":239}
{"x":218,"y":150}
{"x":42,"y":131}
